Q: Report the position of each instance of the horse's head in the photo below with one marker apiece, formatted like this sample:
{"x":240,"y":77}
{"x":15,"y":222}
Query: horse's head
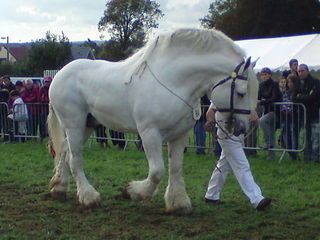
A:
{"x":236,"y":96}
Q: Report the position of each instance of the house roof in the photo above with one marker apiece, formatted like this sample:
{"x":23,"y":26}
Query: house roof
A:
{"x":19,"y":52}
{"x":82,"y":52}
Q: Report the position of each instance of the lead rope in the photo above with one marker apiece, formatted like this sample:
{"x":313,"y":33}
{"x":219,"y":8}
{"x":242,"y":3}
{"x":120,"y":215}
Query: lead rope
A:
{"x":155,"y":77}
{"x":229,"y":135}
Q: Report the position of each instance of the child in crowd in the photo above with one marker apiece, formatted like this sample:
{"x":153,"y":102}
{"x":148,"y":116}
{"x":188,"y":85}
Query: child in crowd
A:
{"x":289,"y":118}
{"x":17,"y":117}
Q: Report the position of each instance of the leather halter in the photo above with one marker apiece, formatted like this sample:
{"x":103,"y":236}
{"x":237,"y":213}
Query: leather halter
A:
{"x":234,"y":76}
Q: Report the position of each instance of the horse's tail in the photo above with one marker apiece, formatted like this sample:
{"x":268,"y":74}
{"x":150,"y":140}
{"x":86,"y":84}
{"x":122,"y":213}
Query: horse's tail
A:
{"x":56,"y":135}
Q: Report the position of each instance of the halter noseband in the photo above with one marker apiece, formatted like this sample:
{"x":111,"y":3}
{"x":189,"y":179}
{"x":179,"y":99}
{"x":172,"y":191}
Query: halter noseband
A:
{"x":234,"y":76}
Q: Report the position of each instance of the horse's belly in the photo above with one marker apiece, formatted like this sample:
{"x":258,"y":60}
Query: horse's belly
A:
{"x":119,"y":122}
{"x":177,"y":129}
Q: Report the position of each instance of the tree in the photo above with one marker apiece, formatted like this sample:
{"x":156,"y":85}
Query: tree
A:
{"x":264,"y":18}
{"x":111,"y":51}
{"x":129,"y":21}
{"x":53,"y":52}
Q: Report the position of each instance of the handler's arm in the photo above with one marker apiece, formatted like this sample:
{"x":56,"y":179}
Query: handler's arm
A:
{"x":211,"y":121}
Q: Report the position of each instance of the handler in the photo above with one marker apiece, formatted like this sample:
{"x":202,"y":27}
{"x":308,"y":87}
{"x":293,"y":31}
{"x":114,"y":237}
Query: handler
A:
{"x":232,"y":158}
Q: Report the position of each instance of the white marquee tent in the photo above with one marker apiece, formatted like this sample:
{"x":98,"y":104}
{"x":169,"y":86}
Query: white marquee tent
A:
{"x":276,"y":53}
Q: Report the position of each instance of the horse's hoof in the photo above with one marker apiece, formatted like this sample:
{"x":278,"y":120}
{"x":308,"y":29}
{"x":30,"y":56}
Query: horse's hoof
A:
{"x":93,"y":205}
{"x":180,"y":211}
{"x":60,"y":196}
{"x":125,"y":193}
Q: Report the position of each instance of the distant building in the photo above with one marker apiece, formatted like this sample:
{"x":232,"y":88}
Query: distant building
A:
{"x":15,"y":53}
{"x":78,"y":52}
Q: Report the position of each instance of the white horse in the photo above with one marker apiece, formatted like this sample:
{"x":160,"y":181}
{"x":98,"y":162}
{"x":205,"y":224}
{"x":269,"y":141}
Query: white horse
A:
{"x":156,"y":93}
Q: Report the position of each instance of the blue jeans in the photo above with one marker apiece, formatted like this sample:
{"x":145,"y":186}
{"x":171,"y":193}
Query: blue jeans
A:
{"x":290,"y":137}
{"x":200,"y":136}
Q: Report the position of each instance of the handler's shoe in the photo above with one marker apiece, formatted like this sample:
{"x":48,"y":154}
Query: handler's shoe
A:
{"x":211,"y":201}
{"x":263,"y":204}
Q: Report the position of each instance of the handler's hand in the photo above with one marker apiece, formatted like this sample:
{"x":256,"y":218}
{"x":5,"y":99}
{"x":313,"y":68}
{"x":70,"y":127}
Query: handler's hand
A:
{"x":254,"y":119}
{"x":209,"y":126}
{"x":211,"y":121}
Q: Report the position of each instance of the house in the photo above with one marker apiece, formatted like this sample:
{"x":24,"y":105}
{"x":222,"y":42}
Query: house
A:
{"x":78,"y":51}
{"x":14,"y":53}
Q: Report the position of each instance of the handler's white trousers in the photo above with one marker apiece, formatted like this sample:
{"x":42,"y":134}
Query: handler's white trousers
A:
{"x":233,"y":158}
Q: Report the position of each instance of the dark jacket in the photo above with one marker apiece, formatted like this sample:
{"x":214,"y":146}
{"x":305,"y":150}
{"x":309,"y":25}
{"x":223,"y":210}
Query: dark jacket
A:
{"x":268,"y":94}
{"x":309,"y":95}
{"x":205,"y":103}
{"x":9,"y":87}
{"x":286,"y":73}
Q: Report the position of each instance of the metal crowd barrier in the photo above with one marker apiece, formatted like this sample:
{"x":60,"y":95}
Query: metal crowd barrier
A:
{"x":288,"y":127}
{"x":37,"y":114}
{"x":3,"y":119}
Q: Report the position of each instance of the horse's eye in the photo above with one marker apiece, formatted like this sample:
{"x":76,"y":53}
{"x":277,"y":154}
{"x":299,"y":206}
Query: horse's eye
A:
{"x":241,"y":94}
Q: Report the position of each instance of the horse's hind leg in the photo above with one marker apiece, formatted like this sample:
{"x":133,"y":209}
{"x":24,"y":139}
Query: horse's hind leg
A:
{"x":87,"y":195}
{"x":176,"y":197}
{"x":59,"y":182}
{"x":144,"y":190}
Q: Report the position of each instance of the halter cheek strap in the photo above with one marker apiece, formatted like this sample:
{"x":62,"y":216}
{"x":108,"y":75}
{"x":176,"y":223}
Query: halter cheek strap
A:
{"x":234,"y":76}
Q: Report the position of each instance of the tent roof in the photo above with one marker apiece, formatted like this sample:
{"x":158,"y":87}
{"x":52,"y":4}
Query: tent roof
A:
{"x":276,"y":53}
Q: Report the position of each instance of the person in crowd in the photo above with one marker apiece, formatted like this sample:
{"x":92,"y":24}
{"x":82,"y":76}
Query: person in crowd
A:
{"x":309,"y":95}
{"x":17,"y":117}
{"x":118,"y":139}
{"x":232,"y":159}
{"x":139,"y":143}
{"x":101,"y":136}
{"x":290,"y":115}
{"x":6,"y":83}
{"x":252,"y":139}
{"x":268,"y":94}
{"x":44,"y":106}
{"x":30,"y":96}
{"x":293,"y":65}
{"x":4,"y":97}
{"x":199,"y":131}
{"x":19,"y":86}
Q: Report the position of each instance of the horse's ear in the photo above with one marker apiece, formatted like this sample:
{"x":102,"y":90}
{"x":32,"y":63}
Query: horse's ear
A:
{"x":255,"y":62}
{"x":247,"y":64}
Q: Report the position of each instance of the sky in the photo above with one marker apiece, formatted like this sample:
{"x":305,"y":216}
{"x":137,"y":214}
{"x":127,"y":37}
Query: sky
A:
{"x":29,"y":20}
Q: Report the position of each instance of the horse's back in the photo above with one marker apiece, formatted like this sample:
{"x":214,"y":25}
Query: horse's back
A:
{"x":91,"y":86}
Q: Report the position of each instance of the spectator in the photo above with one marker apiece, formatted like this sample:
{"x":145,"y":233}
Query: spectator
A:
{"x":7,"y":84}
{"x":101,"y":136}
{"x":293,"y":64}
{"x":4,"y":97}
{"x":268,"y":94}
{"x":309,"y":95}
{"x":289,"y":114}
{"x":44,"y":107}
{"x":19,"y":86}
{"x":30,"y":96}
{"x":251,"y":139}
{"x":118,"y":139}
{"x":199,"y":132}
{"x":18,"y":116}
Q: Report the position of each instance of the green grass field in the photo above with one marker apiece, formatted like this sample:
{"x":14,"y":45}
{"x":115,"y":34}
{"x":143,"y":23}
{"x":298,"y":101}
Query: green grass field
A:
{"x":27,"y":212}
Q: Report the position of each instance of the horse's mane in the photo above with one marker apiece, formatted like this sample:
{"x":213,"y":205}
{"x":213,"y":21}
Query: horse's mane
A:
{"x":197,"y":41}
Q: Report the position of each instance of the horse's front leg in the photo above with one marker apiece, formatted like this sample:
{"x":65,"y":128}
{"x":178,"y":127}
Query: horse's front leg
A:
{"x":176,"y":197}
{"x":87,"y":195}
{"x":144,"y":190}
